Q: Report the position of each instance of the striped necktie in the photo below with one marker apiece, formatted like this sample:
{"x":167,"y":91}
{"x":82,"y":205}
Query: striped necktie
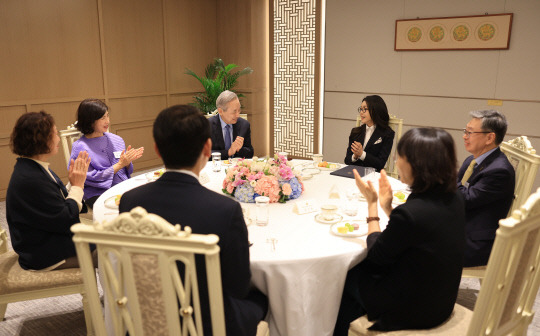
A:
{"x":468,"y":172}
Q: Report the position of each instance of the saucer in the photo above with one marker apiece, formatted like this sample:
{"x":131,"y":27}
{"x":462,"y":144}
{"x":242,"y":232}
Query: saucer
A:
{"x":337,"y":217}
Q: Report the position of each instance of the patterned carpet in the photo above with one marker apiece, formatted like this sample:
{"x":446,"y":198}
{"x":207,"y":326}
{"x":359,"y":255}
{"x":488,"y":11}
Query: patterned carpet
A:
{"x":63,"y":315}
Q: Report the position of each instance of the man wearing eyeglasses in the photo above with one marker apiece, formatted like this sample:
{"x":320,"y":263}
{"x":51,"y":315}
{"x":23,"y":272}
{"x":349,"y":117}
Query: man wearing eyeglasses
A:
{"x":486,"y":179}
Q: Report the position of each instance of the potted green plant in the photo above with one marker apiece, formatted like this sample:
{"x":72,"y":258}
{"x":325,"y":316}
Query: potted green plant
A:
{"x":218,"y":78}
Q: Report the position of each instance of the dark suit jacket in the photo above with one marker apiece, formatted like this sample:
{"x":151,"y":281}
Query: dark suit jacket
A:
{"x":39,"y":216}
{"x":181,"y":199}
{"x":411,"y":275}
{"x":487,"y":200}
{"x":376,"y":154}
{"x":241,"y":128}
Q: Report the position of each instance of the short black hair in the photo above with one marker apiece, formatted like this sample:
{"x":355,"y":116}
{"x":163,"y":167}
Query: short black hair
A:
{"x":180,"y":132}
{"x":432,"y":155}
{"x":377,"y":110}
{"x":492,"y":121}
{"x":32,"y":134}
{"x":89,"y":111}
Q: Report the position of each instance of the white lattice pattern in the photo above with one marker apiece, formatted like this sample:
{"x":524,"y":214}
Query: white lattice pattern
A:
{"x":294,"y":76}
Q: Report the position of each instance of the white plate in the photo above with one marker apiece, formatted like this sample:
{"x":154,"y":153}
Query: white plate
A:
{"x":152,"y":177}
{"x":110,"y":203}
{"x":320,"y":219}
{"x":311,"y":171}
{"x":338,"y":166}
{"x":362,"y":229}
{"x":396,"y":201}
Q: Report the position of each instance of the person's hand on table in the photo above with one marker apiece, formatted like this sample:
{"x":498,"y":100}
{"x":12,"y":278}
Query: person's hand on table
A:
{"x":385,"y":193}
{"x":357,"y":149}
{"x":78,"y":168}
{"x":237,"y":144}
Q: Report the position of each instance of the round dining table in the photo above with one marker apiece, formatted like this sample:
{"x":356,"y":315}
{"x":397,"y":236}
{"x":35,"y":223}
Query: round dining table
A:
{"x":297,"y":261}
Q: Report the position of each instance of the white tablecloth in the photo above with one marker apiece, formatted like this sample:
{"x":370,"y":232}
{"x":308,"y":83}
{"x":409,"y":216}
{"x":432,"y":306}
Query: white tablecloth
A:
{"x":305,"y":273}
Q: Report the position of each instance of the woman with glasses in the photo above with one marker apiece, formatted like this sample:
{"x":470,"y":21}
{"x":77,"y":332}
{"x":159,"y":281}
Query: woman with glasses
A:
{"x":111,"y":160}
{"x":370,"y":144}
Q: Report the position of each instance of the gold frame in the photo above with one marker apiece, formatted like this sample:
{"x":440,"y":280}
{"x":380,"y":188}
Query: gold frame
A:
{"x":478,"y":32}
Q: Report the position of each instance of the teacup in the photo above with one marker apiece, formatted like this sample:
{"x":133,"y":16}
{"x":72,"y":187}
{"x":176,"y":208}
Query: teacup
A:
{"x":328,"y":211}
{"x":317,"y":158}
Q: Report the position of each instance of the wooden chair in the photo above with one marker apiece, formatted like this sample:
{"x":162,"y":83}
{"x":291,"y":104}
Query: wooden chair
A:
{"x":146,"y":294}
{"x":68,"y":137}
{"x":396,"y":125}
{"x":17,"y":284}
{"x":505,"y":301}
{"x":525,"y":161}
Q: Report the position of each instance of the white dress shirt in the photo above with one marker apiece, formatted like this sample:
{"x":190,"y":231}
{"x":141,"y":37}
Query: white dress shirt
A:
{"x":369,"y":133}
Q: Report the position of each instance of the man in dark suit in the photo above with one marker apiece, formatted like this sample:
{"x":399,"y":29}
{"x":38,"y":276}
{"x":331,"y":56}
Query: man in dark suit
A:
{"x":486,"y":179}
{"x":182,"y":140}
{"x":231,"y":135}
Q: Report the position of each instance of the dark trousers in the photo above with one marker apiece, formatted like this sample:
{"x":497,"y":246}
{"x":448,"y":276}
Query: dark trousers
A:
{"x":351,"y":306}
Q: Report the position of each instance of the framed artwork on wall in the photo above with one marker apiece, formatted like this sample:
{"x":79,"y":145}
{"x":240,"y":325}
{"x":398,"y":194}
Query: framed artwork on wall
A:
{"x":478,"y":32}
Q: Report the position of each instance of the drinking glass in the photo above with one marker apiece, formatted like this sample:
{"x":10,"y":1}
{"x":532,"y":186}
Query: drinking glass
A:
{"x":261,"y":217}
{"x":216,"y":161}
{"x":369,"y":174}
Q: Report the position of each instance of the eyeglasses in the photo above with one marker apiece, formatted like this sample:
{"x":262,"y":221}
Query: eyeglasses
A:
{"x":468,"y":133}
{"x":363,"y":109}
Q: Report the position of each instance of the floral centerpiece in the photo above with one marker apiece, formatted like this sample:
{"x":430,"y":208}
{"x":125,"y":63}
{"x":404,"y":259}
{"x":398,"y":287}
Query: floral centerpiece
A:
{"x":273,"y":177}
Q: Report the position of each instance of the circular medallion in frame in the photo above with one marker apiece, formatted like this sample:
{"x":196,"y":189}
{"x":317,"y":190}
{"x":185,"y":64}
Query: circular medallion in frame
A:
{"x":486,"y":31}
{"x":461,"y":32}
{"x":414,"y":34}
{"x":437,"y":33}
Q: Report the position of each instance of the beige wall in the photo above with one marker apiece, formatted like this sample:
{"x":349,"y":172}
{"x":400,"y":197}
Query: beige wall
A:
{"x":132,"y":54}
{"x":428,"y":88}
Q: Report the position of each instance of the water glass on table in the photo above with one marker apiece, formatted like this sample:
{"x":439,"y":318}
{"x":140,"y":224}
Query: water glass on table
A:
{"x":216,"y":161}
{"x":261,"y":210}
{"x":369,"y":174}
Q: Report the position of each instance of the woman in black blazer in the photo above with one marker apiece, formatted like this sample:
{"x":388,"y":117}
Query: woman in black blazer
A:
{"x":39,"y":208}
{"x":411,"y":274}
{"x":371,"y":151}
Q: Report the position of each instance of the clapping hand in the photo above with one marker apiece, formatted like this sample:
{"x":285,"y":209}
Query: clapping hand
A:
{"x":357,"y":149}
{"x":236,"y":145}
{"x":366,"y":189}
{"x":127,"y":156}
{"x":78,"y":168}
{"x":385,"y":193}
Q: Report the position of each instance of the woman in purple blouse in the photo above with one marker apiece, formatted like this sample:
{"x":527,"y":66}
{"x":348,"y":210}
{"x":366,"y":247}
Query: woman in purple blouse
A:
{"x":111,"y":161}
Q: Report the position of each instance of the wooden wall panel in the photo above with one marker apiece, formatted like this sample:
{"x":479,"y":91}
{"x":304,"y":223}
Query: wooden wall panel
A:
{"x":133,"y":34}
{"x":50,"y":49}
{"x":133,"y":109}
{"x":194,"y":50}
{"x":8,"y":117}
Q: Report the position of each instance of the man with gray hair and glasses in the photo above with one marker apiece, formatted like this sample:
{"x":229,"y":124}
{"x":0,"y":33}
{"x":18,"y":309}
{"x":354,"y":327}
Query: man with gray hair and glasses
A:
{"x":231,"y":135}
{"x":486,"y":180}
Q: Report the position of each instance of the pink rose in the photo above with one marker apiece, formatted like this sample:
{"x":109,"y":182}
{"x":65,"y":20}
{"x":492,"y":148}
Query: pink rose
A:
{"x":230,"y":188}
{"x":268,"y":186}
{"x":286,"y":189}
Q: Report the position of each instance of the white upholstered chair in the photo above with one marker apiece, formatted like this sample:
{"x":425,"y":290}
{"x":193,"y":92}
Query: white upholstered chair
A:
{"x":525,"y":161}
{"x":17,"y":284}
{"x":68,"y":137}
{"x":396,"y":125}
{"x":146,"y":293}
{"x":505,"y":301}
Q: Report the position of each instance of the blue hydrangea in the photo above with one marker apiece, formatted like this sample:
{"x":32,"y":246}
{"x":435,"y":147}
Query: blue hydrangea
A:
{"x":245,"y":193}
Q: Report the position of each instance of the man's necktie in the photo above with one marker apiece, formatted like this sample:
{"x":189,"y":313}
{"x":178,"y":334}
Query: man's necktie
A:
{"x":227,"y":137}
{"x":468,"y":172}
